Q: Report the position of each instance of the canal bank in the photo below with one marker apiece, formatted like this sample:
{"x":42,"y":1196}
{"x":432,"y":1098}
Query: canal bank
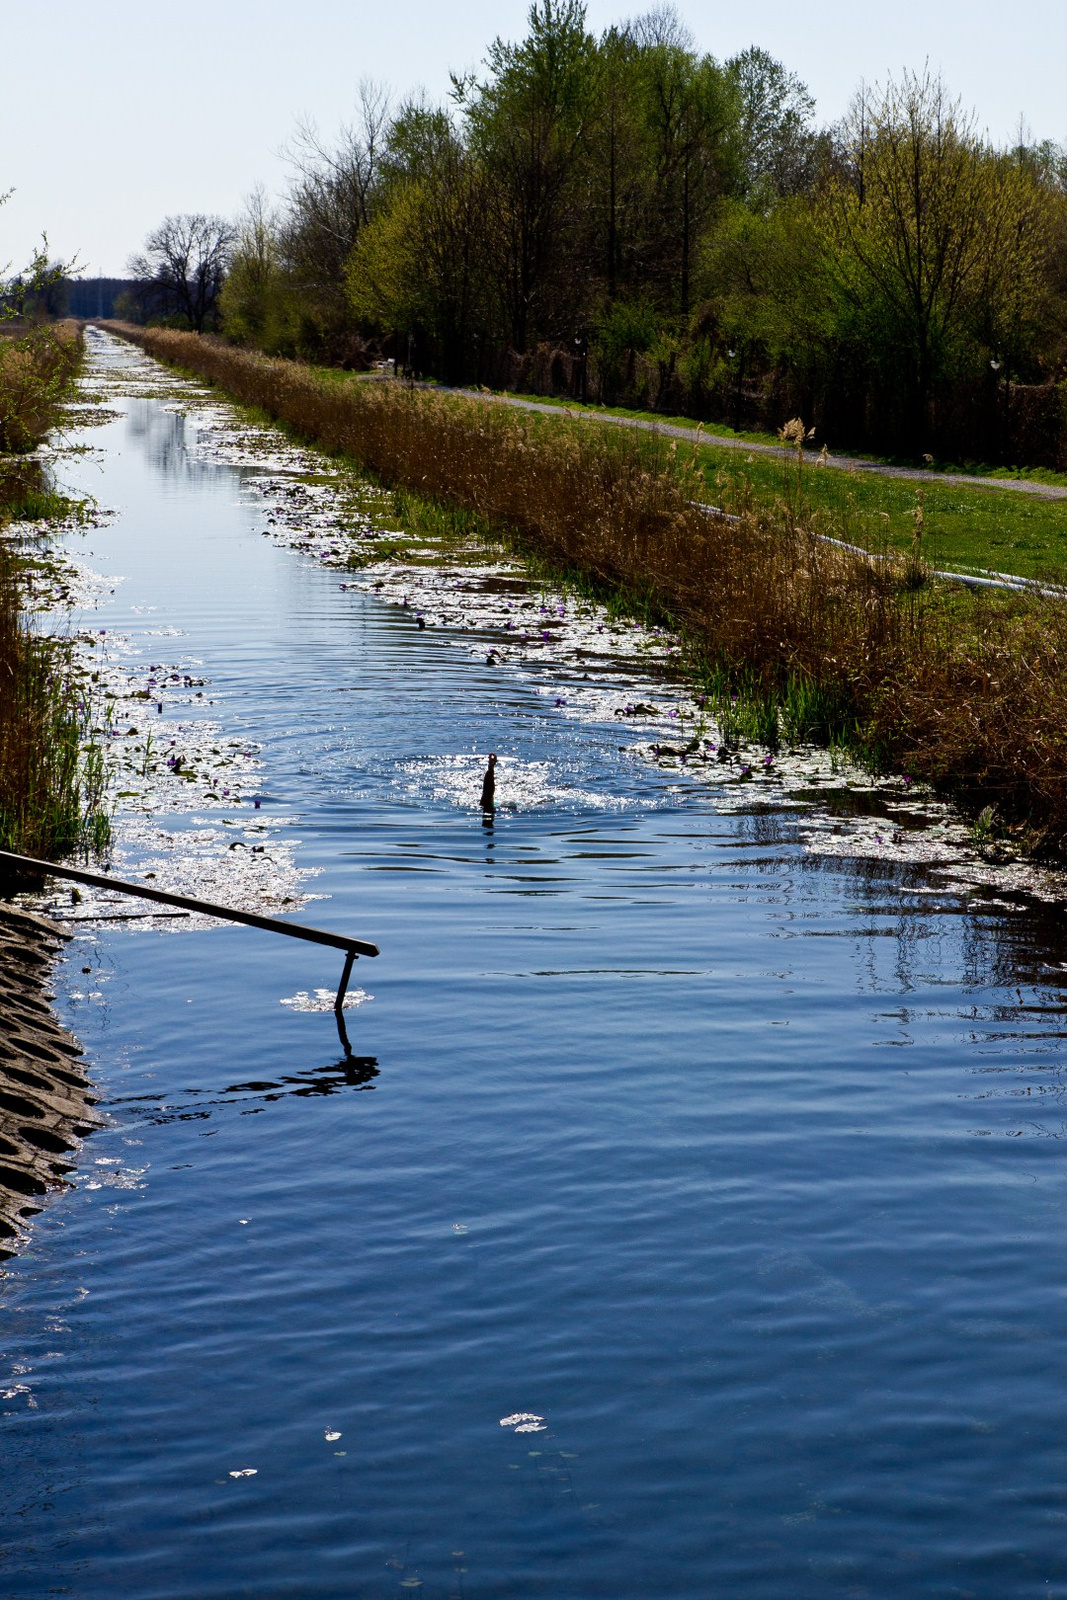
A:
{"x":45,"y":1099}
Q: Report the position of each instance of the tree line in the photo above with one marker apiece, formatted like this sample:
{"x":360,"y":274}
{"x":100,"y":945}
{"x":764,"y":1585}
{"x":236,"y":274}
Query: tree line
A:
{"x":629,"y":220}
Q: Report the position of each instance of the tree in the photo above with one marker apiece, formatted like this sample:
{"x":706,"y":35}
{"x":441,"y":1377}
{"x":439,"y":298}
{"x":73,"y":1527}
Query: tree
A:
{"x":778,"y":147}
{"x":331,"y":200}
{"x":419,"y":265}
{"x":690,"y":117}
{"x":251,"y":299}
{"x":907,"y":227}
{"x":183,"y":266}
{"x":524,"y":127}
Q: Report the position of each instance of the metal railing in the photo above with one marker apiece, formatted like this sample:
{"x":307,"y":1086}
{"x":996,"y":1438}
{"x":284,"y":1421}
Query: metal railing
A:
{"x":250,"y":919}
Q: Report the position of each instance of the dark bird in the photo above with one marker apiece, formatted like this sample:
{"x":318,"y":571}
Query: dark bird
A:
{"x":489,"y":786}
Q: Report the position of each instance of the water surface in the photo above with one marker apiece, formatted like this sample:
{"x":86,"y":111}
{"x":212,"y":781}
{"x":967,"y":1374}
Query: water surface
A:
{"x":736,"y":1172}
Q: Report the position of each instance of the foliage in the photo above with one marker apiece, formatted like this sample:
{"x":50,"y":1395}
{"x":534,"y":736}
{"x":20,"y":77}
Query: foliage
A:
{"x":38,"y":358}
{"x":181,"y":269}
{"x":895,"y":278}
{"x":52,"y":777}
{"x":36,"y":370}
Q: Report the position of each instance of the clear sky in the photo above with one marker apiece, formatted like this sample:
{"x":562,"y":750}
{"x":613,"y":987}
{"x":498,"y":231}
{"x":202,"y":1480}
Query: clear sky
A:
{"x":114,"y":113}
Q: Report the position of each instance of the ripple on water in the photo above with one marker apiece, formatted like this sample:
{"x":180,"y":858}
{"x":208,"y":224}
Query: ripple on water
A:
{"x":521,"y":785}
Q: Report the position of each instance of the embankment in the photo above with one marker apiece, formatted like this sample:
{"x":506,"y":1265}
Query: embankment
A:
{"x":45,"y":1099}
{"x":966,"y":691}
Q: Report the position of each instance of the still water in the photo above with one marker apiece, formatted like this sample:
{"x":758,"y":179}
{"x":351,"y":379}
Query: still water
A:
{"x":733,"y":1176}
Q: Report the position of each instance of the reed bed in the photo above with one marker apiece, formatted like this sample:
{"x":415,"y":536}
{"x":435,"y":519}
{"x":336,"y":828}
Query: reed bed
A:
{"x":52,"y":776}
{"x":964,"y":690}
{"x":37,"y":367}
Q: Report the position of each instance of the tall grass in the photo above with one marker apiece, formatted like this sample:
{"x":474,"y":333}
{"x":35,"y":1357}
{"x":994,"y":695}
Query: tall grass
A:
{"x":967,"y":691}
{"x":51,"y":775}
{"x":37,"y":366}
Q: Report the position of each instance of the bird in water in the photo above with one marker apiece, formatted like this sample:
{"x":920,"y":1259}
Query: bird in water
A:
{"x":489,"y":786}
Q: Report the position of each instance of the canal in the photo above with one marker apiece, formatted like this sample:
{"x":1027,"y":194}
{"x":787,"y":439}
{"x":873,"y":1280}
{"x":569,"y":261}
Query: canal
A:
{"x":684,"y":1218}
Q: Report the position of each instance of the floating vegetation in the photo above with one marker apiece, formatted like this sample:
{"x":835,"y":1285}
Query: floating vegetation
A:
{"x":608,"y":659}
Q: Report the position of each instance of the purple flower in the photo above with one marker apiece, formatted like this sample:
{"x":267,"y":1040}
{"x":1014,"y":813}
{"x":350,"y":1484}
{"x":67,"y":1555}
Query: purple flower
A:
{"x":767,"y":760}
{"x":545,"y":635}
{"x":560,"y":700}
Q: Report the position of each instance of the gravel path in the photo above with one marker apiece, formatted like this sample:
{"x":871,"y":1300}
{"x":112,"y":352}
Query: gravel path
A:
{"x":1044,"y":491}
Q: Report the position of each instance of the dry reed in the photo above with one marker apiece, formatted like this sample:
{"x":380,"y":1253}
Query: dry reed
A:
{"x":966,"y":691}
{"x":36,"y":369}
{"x":51,"y":775}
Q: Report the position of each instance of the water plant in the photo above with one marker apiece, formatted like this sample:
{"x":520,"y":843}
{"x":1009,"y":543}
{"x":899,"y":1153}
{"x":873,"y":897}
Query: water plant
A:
{"x":965,"y":690}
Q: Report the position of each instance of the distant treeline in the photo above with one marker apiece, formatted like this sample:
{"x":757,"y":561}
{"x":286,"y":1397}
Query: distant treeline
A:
{"x":624,"y":219}
{"x":86,"y":298}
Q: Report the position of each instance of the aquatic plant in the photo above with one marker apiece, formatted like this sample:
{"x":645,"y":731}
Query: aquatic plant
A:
{"x":966,"y":690}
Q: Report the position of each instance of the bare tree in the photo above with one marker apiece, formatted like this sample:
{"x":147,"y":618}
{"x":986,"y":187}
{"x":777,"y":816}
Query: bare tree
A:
{"x":183,"y":266}
{"x":332,"y":193}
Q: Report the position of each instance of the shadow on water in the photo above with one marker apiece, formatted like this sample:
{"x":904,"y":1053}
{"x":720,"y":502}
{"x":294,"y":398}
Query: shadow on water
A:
{"x":184,"y":1105}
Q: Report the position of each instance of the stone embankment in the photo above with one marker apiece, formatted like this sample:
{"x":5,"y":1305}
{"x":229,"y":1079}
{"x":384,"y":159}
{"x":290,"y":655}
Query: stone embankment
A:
{"x":45,"y":1099}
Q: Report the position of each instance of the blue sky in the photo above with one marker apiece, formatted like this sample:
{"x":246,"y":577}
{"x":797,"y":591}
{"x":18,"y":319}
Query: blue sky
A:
{"x":113,"y":114}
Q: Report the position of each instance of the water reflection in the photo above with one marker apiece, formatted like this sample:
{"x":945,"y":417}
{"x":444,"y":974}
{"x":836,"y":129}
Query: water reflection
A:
{"x":185,"y":1105}
{"x":165,"y":438}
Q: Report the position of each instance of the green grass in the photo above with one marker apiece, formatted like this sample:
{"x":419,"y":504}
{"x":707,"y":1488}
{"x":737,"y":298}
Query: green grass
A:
{"x":1003,"y":530}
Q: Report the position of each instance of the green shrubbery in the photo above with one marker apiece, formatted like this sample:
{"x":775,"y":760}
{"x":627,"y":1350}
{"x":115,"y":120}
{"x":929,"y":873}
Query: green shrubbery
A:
{"x":626,"y":219}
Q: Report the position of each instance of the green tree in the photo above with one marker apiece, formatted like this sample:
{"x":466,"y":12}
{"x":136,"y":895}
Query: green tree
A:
{"x":690,"y":114}
{"x":524,"y":126}
{"x":907,"y":228}
{"x":418,"y":266}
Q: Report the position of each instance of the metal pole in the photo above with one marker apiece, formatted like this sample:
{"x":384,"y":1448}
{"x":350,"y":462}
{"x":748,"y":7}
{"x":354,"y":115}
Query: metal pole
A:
{"x":342,"y":987}
{"x":250,"y":919}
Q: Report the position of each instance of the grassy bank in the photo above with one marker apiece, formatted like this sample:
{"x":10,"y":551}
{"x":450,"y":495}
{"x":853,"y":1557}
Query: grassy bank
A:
{"x":37,"y":367}
{"x":51,"y":774}
{"x":964,"y":690}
